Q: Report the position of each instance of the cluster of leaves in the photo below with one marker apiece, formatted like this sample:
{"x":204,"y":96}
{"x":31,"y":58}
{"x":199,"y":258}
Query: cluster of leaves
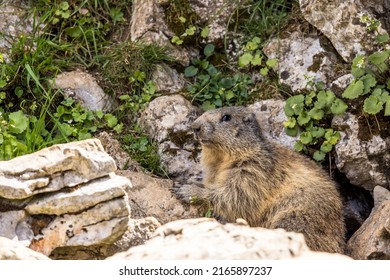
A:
{"x":307,"y":114}
{"x":189,"y":31}
{"x":253,"y":56}
{"x":371,"y":82}
{"x":212,"y":88}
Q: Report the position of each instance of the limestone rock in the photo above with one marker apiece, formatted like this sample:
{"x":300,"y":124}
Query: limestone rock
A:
{"x":54,"y":168}
{"x":12,"y":250}
{"x":381,"y":10}
{"x":167,"y":79}
{"x":364,"y":161}
{"x":167,"y":119}
{"x":152,"y":197}
{"x":380,"y":195}
{"x":14,"y":225}
{"x":372,"y":240}
{"x":207,"y":239}
{"x":270,"y":115}
{"x":83,"y":87}
{"x":302,"y":58}
{"x":340,"y":21}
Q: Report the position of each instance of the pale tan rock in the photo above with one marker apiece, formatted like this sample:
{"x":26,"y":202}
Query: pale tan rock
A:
{"x":372,"y":239}
{"x":12,"y":250}
{"x":207,"y":239}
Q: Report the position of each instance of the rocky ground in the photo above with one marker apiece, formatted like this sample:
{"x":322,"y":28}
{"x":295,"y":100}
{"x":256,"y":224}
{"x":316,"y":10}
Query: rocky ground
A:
{"x":90,"y":200}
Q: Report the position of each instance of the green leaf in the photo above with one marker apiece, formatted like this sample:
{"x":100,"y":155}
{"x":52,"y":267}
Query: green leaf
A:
{"x":17,"y":122}
{"x":251,"y":46}
{"x":387,"y":107}
{"x":205,"y":32}
{"x":3,"y":83}
{"x":116,"y":14}
{"x":64,"y":5}
{"x":182,"y":19}
{"x":326,"y":147}
{"x":306,"y":137}
{"x":318,"y":156}
{"x":291,"y":131}
{"x":245,"y":59}
{"x":226,"y":83}
{"x":358,"y":66}
{"x":303,"y":118}
{"x":190,"y":71}
{"x":298,"y":146}
{"x":332,"y":136}
{"x":309,"y":98}
{"x":209,"y":50}
{"x":257,"y":59}
{"x":294,"y":105}
{"x":272,"y":63}
{"x":369,"y":81}
{"x":382,"y":38}
{"x":290,"y":123}
{"x":317,"y":132}
{"x":73,"y":31}
{"x":111,"y":120}
{"x":372,"y":105}
{"x":316,"y":114}
{"x":354,"y":90}
{"x":378,"y":58}
{"x":176,"y":40}
{"x":338,"y":107}
{"x":190,"y":30}
{"x":264,"y":71}
{"x":207,"y":105}
{"x":324,"y":99}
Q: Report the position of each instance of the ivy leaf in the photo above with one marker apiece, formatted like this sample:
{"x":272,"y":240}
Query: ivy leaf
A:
{"x":17,"y":122}
{"x":378,"y":58}
{"x":306,"y":137}
{"x":272,"y":63}
{"x":190,"y":71}
{"x":298,"y":146}
{"x":309,"y":98}
{"x":209,"y":50}
{"x":338,"y":107}
{"x":251,"y":46}
{"x":358,"y":65}
{"x":245,"y":59}
{"x":190,"y":30}
{"x":318,"y":156}
{"x":325,"y":99}
{"x":354,"y":90}
{"x":74,"y":31}
{"x":207,"y":105}
{"x":176,"y":40}
{"x":383,"y":38}
{"x":226,"y":83}
{"x":326,"y":147}
{"x":316,"y":114}
{"x":303,"y":118}
{"x":372,"y":105}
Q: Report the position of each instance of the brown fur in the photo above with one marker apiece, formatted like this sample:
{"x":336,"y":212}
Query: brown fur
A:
{"x":264,"y":183}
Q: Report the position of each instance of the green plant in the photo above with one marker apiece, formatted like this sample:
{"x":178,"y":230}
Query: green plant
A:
{"x":212,"y":88}
{"x":309,"y":114}
{"x":253,"y":56}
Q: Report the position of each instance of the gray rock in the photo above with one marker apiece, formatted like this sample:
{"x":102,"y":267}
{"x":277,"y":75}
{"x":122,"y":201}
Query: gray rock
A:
{"x":167,"y":80}
{"x":302,"y":58}
{"x":13,"y":250}
{"x":340,"y":21}
{"x":270,"y":115}
{"x":152,"y":197}
{"x":207,"y":239}
{"x":381,"y":9}
{"x":364,"y":161}
{"x":83,"y":87}
{"x":372,"y":240}
{"x":380,"y":195}
{"x":167,"y":120}
{"x":14,"y":225}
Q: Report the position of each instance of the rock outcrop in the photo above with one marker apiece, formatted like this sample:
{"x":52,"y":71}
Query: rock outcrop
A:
{"x":13,"y":250}
{"x":63,"y":196}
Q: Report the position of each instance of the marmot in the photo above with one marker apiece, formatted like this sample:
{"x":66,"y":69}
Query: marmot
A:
{"x":268,"y":185}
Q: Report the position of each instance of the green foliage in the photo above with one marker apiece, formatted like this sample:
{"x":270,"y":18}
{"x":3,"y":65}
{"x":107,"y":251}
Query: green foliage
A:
{"x":308,"y":113}
{"x":212,"y":88}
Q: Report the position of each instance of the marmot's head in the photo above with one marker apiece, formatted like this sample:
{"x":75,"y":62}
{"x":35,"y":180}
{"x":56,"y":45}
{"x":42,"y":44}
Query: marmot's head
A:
{"x":229,"y":128}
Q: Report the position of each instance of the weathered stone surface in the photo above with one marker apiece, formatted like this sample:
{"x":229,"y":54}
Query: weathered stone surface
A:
{"x":207,"y":239}
{"x":86,"y":196}
{"x":152,"y":197}
{"x":12,"y":250}
{"x":302,"y":58}
{"x":83,"y":87}
{"x":14,"y":22}
{"x":380,"y":195}
{"x":102,"y":224}
{"x":340,"y":21}
{"x":372,"y":240}
{"x":148,"y":25}
{"x":53,"y":168}
{"x":381,"y":10}
{"x":14,"y":225}
{"x":167,"y":80}
{"x":167,"y":120}
{"x":270,"y":115}
{"x":364,"y":162}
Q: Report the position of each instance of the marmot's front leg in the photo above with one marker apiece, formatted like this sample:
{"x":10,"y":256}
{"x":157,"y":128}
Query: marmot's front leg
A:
{"x":191,"y":193}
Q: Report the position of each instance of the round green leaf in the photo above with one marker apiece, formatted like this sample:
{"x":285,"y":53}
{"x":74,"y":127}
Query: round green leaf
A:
{"x":369,"y":82}
{"x":354,"y":90}
{"x":338,"y":107}
{"x":190,"y":71}
{"x":316,"y":114}
{"x":298,"y":146}
{"x":303,"y":118}
{"x":326,"y":147}
{"x":245,"y":59}
{"x":290,"y":123}
{"x":272,"y":63}
{"x":208,"y":50}
{"x":318,"y":156}
{"x":317,"y":132}
{"x":306,"y":137}
{"x":292,"y":131}
{"x":17,"y":122}
{"x":372,"y":105}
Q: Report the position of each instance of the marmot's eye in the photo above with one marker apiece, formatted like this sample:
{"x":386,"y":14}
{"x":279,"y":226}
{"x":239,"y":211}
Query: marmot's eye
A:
{"x":226,"y":118}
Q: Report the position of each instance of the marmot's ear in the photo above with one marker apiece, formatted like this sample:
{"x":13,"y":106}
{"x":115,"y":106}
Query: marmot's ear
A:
{"x":249,"y":118}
